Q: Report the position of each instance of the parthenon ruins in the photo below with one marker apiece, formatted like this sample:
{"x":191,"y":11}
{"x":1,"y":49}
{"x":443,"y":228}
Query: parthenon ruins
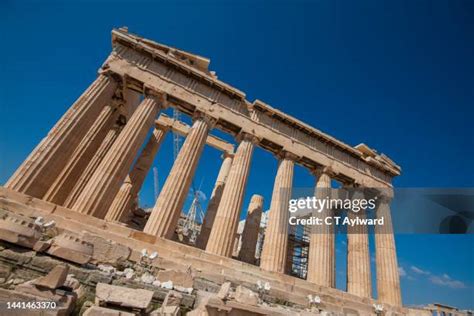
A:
{"x":86,"y":174}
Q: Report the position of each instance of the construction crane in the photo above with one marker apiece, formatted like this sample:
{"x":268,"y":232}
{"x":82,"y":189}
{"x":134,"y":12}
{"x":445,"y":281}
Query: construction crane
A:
{"x":194,"y":217}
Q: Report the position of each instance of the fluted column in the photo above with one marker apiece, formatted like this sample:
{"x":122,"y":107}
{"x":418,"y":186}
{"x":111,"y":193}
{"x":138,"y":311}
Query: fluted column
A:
{"x":223,"y":231}
{"x":38,"y":172}
{"x":251,"y":229}
{"x":276,"y":234}
{"x":123,"y":201}
{"x":168,"y":206}
{"x":104,"y":184}
{"x":214,"y":201}
{"x":388,"y":279}
{"x":87,"y":173}
{"x":62,"y":186}
{"x":358,"y":256}
{"x":321,"y":263}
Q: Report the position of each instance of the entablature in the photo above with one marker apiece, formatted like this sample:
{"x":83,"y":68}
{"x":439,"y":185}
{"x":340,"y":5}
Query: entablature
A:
{"x":275,"y":130}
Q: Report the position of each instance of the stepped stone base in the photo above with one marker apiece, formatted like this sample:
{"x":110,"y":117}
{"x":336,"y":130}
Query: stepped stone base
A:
{"x":189,"y":266}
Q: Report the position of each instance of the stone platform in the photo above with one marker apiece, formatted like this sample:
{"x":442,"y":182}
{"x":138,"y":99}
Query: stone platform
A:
{"x":113,"y":244}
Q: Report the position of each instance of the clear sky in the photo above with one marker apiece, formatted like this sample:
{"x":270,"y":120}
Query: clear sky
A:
{"x":396,"y":75}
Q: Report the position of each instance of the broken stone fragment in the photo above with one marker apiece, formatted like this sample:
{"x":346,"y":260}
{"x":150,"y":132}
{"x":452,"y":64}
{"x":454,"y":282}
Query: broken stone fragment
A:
{"x":147,"y":278}
{"x":54,"y":279}
{"x":128,"y":273}
{"x":245,"y":295}
{"x":122,"y":296}
{"x":224,"y":291}
{"x":172,"y":298}
{"x":19,"y":230}
{"x":107,"y":269}
{"x":167,"y":285}
{"x":72,"y":282}
{"x":41,"y":246}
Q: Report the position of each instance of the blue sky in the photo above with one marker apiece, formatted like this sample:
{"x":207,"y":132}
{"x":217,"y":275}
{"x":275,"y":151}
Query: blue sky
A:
{"x":396,"y":75}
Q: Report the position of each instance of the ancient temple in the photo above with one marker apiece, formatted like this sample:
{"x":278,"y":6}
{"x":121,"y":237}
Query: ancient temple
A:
{"x":85,"y":176}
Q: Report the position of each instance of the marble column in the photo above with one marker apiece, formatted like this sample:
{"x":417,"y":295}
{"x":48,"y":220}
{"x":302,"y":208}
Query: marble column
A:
{"x":251,"y":229}
{"x":95,"y":161}
{"x":104,"y":184}
{"x":64,"y":183}
{"x":223,"y":231}
{"x":359,"y":281}
{"x":38,"y":172}
{"x":214,"y":201}
{"x":321,"y":263}
{"x":168,"y":206}
{"x":275,"y":245}
{"x":237,"y":242}
{"x":123,"y":201}
{"x":388,"y":279}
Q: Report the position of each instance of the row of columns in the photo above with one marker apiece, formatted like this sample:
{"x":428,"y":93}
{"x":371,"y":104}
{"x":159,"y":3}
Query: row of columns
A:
{"x":84,"y":163}
{"x":128,"y":193}
{"x":40,"y":170}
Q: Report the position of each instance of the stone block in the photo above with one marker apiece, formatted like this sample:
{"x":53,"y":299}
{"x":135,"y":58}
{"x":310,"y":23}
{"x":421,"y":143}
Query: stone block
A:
{"x":19,"y":230}
{"x":96,"y":277}
{"x":15,"y":207}
{"x":224,"y":291}
{"x":17,"y":257}
{"x":173,"y":298}
{"x":43,"y":263}
{"x":5,"y":271}
{"x":106,"y":251}
{"x":44,"y":206}
{"x":151,"y":239}
{"x":30,"y":288}
{"x":245,"y":296}
{"x":122,"y":296}
{"x":53,"y":279}
{"x":72,"y":248}
{"x":71,"y":282}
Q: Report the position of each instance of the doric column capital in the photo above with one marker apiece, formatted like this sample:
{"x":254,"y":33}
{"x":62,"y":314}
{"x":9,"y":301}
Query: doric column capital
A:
{"x":356,"y":188}
{"x":210,"y":121}
{"x":227,"y":154}
{"x":245,"y":136}
{"x":106,"y":71}
{"x":384,"y":195}
{"x":324,"y":170}
{"x":160,"y":97}
{"x":287,"y":155}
